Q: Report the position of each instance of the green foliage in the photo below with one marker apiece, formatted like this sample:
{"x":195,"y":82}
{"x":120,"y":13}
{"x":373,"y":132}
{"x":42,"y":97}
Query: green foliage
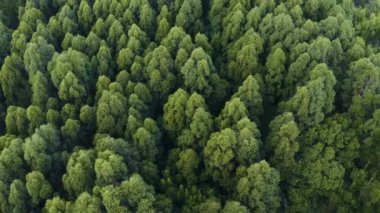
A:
{"x":16,"y":121}
{"x":111,"y":113}
{"x":249,"y":94}
{"x":40,"y":148}
{"x":312,"y":101}
{"x":259,"y":188}
{"x":189,"y":106}
{"x":11,"y":162}
{"x":37,"y":187}
{"x":109,"y":168}
{"x":134,"y":192}
{"x":37,"y":55}
{"x":80,"y":172}
{"x":18,"y":196}
{"x":174,"y":112}
{"x":13,"y":82}
{"x":160,"y":72}
{"x":189,"y":16}
{"x":197,"y":71}
{"x":275,"y":73}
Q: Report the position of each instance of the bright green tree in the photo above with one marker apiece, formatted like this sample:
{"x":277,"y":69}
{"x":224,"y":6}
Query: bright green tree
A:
{"x":80,"y":174}
{"x":38,"y":187}
{"x":197,"y":70}
{"x":259,"y":188}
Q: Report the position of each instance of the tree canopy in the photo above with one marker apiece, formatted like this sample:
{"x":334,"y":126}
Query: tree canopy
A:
{"x":189,"y":106}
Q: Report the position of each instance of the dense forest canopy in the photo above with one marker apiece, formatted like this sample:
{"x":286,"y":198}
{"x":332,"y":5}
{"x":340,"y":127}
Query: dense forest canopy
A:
{"x":189,"y":106}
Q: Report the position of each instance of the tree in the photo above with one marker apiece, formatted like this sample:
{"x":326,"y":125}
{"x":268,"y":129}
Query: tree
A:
{"x":311,"y":8}
{"x":134,"y":192}
{"x":359,"y":88}
{"x":282,"y":26}
{"x":37,"y":55}
{"x":87,"y":203}
{"x":243,"y":56}
{"x":71,"y":90}
{"x":69,"y":111}
{"x":282,"y":142}
{"x":146,"y":139}
{"x":16,"y":121}
{"x":40,"y":148}
{"x":174,"y":39}
{"x":189,"y":16}
{"x":249,"y":94}
{"x":67,"y":20}
{"x":160,"y":72}
{"x":67,"y":41}
{"x":371,"y":130}
{"x":35,"y":117}
{"x":194,"y":102}
{"x":118,"y":146}
{"x":201,"y":126}
{"x":233,"y":24}
{"x":40,"y":90}
{"x":275,"y":76}
{"x":55,"y":205}
{"x":313,"y":101}
{"x":18,"y":196}
{"x":4,"y":41}
{"x":105,"y":63}
{"x":102,"y":84}
{"x":12,"y":165}
{"x":163,"y":28}
{"x":187,"y":164}
{"x":330,"y":27}
{"x":109,"y":168}
{"x":116,"y":8}
{"x":232,"y":112}
{"x":296,"y":74}
{"x":129,"y":56}
{"x":320,"y":49}
{"x":318,"y":173}
{"x":249,"y":143}
{"x":217,"y":12}
{"x":211,"y":205}
{"x":80,"y":172}
{"x":14,"y":82}
{"x":219,"y":156}
{"x":234,"y":206}
{"x":4,"y":191}
{"x":115,"y":32}
{"x":197,"y":70}
{"x":254,"y":18}
{"x":92,"y":43}
{"x":38,"y":187}
{"x":101,"y":8}
{"x":174,"y":112}
{"x":70,"y":61}
{"x":85,"y":16}
{"x":201,"y":40}
{"x":87,"y":115}
{"x":111,"y":113}
{"x":147,"y":19}
{"x":70,"y":132}
{"x":259,"y":188}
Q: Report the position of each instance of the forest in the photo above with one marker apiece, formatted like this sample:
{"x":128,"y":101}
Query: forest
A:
{"x":194,"y":106}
